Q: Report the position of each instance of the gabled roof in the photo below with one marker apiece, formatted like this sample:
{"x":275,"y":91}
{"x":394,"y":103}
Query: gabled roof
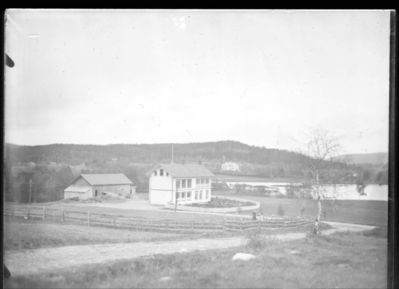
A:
{"x":186,"y":170}
{"x":106,"y":179}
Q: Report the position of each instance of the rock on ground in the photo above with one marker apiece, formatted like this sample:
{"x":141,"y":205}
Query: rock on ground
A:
{"x":243,"y":257}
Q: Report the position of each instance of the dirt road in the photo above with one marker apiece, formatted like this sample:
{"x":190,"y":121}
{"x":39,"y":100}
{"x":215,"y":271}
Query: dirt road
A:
{"x":26,"y":262}
{"x":34,"y":261}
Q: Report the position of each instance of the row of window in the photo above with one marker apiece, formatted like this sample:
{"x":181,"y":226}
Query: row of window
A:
{"x":161,"y":173}
{"x":182,"y":183}
{"x":198,"y":195}
{"x":187,"y":183}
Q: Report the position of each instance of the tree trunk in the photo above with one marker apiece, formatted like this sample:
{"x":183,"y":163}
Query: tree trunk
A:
{"x":316,"y":230}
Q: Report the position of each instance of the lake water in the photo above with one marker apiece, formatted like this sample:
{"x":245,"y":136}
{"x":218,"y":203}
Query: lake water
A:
{"x":340,"y":192}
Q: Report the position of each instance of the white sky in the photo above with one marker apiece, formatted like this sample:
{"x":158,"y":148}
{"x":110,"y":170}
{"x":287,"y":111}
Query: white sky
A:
{"x":260,"y":77}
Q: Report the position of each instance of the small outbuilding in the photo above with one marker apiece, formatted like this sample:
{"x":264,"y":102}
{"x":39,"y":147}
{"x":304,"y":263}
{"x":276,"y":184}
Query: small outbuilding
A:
{"x":92,"y":185}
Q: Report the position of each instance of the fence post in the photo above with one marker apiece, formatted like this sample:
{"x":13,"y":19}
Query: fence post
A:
{"x":44,"y":212}
{"x":224,"y":224}
{"x":88,"y":218}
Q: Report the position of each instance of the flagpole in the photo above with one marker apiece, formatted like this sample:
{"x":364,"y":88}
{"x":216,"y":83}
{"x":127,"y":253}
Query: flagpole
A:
{"x":172,"y":154}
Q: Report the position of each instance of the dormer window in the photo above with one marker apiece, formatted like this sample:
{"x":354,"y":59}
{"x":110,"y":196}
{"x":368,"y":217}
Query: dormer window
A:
{"x":155,"y":173}
{"x":161,"y":172}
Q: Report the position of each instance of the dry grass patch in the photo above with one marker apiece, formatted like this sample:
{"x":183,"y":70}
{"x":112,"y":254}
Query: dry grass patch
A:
{"x":344,"y":260}
{"x":28,"y":234}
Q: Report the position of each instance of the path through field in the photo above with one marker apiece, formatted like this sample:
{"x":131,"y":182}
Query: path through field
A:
{"x":36,"y":261}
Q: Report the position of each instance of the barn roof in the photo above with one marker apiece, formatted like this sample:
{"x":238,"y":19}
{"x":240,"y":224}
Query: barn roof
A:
{"x":186,"y":170}
{"x":106,"y":179}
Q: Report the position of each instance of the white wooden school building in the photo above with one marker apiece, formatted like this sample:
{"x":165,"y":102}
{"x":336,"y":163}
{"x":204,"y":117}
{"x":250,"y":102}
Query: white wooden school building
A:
{"x":184,"y":183}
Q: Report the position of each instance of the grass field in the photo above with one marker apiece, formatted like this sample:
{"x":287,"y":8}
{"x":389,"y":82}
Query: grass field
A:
{"x":337,"y":261}
{"x":154,"y":215}
{"x":26,"y":234}
{"x":374,"y":213}
{"x":32,"y":234}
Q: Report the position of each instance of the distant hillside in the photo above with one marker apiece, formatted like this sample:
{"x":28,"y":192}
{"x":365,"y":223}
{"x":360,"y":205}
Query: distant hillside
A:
{"x":253,"y":160}
{"x":151,"y":153}
{"x":367,"y":158}
{"x":53,"y":167}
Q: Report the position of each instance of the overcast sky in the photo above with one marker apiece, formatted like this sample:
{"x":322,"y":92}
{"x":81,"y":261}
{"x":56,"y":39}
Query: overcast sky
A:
{"x":260,"y":77}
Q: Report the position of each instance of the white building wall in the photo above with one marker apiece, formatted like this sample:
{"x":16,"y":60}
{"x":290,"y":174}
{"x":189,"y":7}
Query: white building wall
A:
{"x":200,"y":191}
{"x":80,"y":195}
{"x":163,"y":189}
{"x":230,"y":166}
{"x":160,"y":189}
{"x":126,"y":191}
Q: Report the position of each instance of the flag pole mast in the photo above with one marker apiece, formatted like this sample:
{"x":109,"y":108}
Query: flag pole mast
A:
{"x":172,"y":154}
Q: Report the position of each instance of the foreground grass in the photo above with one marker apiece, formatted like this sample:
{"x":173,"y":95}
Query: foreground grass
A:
{"x":160,"y":215}
{"x":28,"y":234}
{"x":342,"y":260}
{"x":33,"y":234}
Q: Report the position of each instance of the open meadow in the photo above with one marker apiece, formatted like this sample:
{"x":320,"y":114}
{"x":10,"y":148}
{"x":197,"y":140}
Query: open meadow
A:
{"x":343,"y":260}
{"x":374,"y":213}
{"x":346,"y":260}
{"x":29,"y":234}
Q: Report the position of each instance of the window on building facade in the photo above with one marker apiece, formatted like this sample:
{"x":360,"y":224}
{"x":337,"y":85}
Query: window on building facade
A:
{"x":189,"y":183}
{"x":177,"y":184}
{"x":177,"y":195}
{"x":183,"y":183}
{"x":161,"y":172}
{"x":183,"y":195}
{"x":188,"y":195}
{"x":200,"y":195}
{"x":155,"y":173}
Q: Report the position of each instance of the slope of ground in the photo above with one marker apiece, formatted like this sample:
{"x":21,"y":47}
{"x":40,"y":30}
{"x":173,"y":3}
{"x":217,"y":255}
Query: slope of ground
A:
{"x":344,"y":260}
{"x":26,"y":234}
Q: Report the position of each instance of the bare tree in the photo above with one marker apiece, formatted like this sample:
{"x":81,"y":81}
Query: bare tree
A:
{"x":321,"y":147}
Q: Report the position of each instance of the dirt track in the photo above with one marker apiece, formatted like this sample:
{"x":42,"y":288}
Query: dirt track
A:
{"x":34,"y":261}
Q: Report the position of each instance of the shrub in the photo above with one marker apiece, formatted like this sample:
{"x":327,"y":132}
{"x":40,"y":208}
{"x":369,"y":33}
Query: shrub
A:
{"x":221,"y":203}
{"x":280,"y":210}
{"x":256,"y":241}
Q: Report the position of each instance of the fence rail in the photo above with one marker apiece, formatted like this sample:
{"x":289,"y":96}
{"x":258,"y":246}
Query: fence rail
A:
{"x":139,"y":223}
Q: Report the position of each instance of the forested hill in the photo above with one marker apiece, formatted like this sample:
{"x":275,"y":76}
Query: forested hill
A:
{"x":152,"y":153}
{"x":53,"y":167}
{"x":365,"y":158}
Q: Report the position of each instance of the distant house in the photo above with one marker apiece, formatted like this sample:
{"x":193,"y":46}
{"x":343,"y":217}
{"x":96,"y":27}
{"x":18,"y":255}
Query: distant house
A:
{"x":184,"y":183}
{"x":230,"y":166}
{"x":92,"y":185}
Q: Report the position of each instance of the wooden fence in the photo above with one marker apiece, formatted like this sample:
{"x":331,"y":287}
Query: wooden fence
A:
{"x":138,"y":223}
